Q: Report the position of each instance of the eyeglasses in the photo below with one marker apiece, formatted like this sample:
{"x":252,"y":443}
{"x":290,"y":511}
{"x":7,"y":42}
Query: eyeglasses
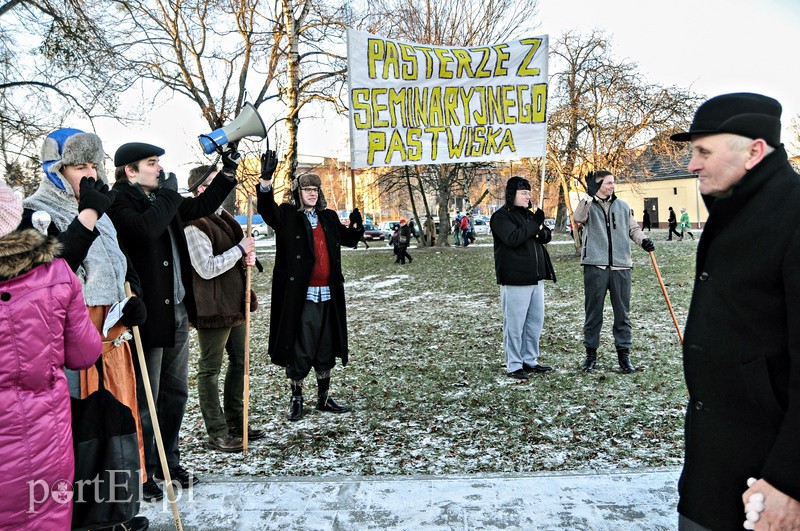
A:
{"x":310,"y":190}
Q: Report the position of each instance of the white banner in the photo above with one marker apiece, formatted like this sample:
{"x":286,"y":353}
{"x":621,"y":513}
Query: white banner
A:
{"x":421,"y":104}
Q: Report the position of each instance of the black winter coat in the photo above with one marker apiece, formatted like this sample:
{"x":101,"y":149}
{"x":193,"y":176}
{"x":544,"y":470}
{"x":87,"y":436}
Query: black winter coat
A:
{"x":294,"y":261}
{"x":142,"y":228}
{"x":520,"y":258}
{"x":741,"y":350}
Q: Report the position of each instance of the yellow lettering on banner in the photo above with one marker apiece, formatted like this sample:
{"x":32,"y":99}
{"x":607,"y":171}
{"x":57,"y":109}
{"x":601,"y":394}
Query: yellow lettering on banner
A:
{"x":524,"y":67}
{"x":507,"y":142}
{"x":464,"y":63}
{"x":480,"y":115}
{"x":395,"y":145}
{"x":445,"y":58}
{"x":502,"y":56}
{"x":375,"y":51}
{"x":361,"y":110}
{"x":391,"y":61}
{"x":377,"y":107}
{"x":479,"y":141}
{"x":420,"y":115}
{"x":485,"y":52}
{"x":426,"y":51}
{"x":435,"y":107}
{"x":397,"y":100}
{"x":409,"y":61}
{"x":539,"y":102}
{"x":376,"y":142}
{"x":451,"y":106}
{"x":434,"y":132}
{"x":466,"y":96}
{"x":508,"y":103}
{"x":414,"y":143}
{"x":524,"y":116}
{"x":494,"y":105}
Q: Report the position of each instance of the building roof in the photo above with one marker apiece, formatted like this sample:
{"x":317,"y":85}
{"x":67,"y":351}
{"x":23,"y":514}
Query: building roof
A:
{"x":652,"y":166}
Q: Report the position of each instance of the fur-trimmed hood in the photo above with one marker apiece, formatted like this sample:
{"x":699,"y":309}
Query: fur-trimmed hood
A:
{"x":21,"y":251}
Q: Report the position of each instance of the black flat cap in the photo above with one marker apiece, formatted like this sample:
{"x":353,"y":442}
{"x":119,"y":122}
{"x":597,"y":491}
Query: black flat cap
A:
{"x":135,"y":151}
{"x":741,"y":113}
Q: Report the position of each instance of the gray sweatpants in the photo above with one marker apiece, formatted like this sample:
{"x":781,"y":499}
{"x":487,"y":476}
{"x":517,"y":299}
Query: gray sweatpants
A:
{"x":523,"y":317}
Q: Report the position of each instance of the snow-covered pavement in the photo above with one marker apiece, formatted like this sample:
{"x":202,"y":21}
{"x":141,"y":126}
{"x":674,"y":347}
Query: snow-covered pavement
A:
{"x":581,"y":500}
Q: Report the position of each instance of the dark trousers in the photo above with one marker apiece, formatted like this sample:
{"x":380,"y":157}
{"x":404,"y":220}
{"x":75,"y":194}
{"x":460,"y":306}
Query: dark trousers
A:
{"x":168,"y":373}
{"x":214,"y":343}
{"x":596,"y":282}
{"x":402,"y":254}
{"x":672,"y":230}
{"x":314,"y":344}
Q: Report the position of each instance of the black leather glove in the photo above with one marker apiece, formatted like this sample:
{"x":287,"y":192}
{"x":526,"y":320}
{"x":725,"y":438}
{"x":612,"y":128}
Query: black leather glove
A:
{"x":591,"y":185}
{"x":356,"y":221}
{"x":230,"y":160}
{"x":134,"y":313}
{"x":648,"y":245}
{"x":269,"y":161}
{"x":95,"y":195}
{"x":169,"y":181}
{"x":538,"y":217}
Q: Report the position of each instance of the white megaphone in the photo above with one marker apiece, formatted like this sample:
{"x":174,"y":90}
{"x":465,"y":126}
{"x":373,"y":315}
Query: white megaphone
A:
{"x":248,"y":123}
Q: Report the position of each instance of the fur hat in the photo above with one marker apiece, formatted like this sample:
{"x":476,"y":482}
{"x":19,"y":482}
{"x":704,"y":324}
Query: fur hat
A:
{"x":10,"y":209}
{"x":307,"y":179}
{"x":514,"y":184}
{"x":64,"y":147}
{"x":750,"y":115}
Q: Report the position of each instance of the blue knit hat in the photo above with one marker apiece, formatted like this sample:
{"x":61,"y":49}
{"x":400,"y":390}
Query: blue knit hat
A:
{"x":64,"y":147}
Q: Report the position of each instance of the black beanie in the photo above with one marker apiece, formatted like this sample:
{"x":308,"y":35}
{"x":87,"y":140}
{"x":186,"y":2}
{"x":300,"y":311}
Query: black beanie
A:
{"x":514,"y":184}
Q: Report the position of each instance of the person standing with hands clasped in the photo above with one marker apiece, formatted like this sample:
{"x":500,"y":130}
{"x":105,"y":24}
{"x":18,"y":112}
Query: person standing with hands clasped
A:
{"x":220,"y":254}
{"x":521,"y":265}
{"x":608,"y":227}
{"x":308,"y":318}
{"x":149,"y":214}
{"x":741,"y":347}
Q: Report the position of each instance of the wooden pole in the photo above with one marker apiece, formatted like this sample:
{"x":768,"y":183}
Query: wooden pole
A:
{"x":151,"y":404}
{"x":248,"y":282}
{"x":666,"y":297}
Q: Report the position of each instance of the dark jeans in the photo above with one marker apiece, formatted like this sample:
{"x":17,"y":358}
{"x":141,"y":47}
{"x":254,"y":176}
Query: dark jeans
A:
{"x":314,"y":344}
{"x":672,"y":230}
{"x":402,"y":255}
{"x":214,"y":342}
{"x":168,"y":373}
{"x":596,"y":282}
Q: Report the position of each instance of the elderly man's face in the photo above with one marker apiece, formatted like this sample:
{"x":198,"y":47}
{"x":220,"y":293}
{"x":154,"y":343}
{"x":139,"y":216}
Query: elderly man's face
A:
{"x":718,"y":166}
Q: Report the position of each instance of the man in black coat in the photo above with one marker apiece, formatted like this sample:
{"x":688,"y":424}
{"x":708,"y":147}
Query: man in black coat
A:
{"x":308,"y":321}
{"x":148,"y":213}
{"x":741,"y":349}
{"x":521,"y":264}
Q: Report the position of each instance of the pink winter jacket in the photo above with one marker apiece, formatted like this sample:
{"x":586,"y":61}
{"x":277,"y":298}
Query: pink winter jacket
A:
{"x":44,"y":326}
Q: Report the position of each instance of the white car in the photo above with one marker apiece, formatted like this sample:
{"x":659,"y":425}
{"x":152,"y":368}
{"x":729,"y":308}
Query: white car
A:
{"x":480,"y":227}
{"x":260,"y":229}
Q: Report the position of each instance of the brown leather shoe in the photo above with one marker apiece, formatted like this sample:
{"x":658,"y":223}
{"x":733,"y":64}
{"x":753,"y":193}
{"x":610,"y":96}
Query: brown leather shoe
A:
{"x":253,"y":434}
{"x":226,"y":443}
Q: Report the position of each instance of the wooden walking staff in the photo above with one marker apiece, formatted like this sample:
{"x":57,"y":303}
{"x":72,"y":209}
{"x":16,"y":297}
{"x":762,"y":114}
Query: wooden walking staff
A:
{"x":151,"y":404}
{"x":666,"y":297}
{"x":248,"y":280}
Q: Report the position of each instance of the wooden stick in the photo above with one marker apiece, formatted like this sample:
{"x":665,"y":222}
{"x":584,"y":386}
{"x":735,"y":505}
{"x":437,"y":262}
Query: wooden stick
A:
{"x":137,"y":339}
{"x":248,"y":282}
{"x":666,"y":297}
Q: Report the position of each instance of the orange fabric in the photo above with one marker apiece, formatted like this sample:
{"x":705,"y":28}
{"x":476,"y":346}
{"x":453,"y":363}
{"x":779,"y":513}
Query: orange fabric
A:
{"x":118,"y":374}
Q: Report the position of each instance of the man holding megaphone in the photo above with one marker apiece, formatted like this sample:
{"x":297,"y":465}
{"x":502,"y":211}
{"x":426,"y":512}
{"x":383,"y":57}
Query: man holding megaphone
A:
{"x":149,"y":215}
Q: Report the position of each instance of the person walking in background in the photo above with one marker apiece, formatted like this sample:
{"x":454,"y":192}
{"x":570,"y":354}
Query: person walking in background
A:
{"x":430,"y":231}
{"x":308,"y":317}
{"x":521,"y":265}
{"x":685,"y":224}
{"x":456,"y":229}
{"x":741,"y":347}
{"x":403,"y":241}
{"x":220,"y":253}
{"x":608,"y":228}
{"x":672,"y":221}
{"x":464,"y":226}
{"x":149,"y":214}
{"x":73,"y":196}
{"x":44,"y":326}
{"x":646,"y":221}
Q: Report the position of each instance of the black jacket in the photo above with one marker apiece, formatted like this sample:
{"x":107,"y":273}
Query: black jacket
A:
{"x":294,"y":261}
{"x":741,"y":350}
{"x":520,"y":258}
{"x":142,"y":228}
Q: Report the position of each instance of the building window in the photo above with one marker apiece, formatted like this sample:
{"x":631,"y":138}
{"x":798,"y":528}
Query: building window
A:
{"x":674,"y":191}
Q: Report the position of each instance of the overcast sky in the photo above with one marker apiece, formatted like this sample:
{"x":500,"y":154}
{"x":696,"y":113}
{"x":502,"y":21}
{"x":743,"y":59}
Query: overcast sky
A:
{"x":710,"y":46}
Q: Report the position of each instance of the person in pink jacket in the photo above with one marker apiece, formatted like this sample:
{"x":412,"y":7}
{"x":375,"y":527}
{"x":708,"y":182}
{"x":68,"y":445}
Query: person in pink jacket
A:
{"x":44,"y":326}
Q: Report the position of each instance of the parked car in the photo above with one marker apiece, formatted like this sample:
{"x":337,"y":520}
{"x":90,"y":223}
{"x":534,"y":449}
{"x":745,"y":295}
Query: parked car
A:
{"x":550,"y":223}
{"x":388,"y":228}
{"x":480,"y":227}
{"x":262,"y":229}
{"x":373,"y":233}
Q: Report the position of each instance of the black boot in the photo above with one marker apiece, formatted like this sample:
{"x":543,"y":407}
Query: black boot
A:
{"x":591,"y":359}
{"x":326,"y":403}
{"x":623,"y":355}
{"x":295,"y":408}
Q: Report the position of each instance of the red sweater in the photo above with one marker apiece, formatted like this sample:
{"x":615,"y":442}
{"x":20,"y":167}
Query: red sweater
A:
{"x":321,"y":274}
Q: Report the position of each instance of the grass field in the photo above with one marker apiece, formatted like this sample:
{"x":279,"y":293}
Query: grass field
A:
{"x":427,"y":382}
